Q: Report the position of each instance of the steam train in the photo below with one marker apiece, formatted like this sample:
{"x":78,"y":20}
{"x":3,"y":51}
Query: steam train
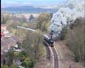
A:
{"x":48,"y":41}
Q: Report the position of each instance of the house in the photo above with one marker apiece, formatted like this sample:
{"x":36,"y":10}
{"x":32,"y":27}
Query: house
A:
{"x":3,"y":27}
{"x":6,"y":44}
{"x":4,"y":31}
{"x":8,"y":40}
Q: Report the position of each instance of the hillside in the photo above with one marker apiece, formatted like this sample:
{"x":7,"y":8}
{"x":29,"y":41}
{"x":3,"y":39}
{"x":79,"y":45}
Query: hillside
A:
{"x":28,"y":9}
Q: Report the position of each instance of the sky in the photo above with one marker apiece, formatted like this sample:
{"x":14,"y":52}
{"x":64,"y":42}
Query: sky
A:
{"x":7,"y":3}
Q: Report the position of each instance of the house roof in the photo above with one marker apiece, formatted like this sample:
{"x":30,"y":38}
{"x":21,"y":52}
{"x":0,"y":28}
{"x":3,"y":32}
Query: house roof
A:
{"x":8,"y":42}
{"x":3,"y":25}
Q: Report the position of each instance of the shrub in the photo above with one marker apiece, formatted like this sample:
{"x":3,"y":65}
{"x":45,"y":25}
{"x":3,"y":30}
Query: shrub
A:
{"x":63,"y":33}
{"x":5,"y":66}
{"x":75,"y":39}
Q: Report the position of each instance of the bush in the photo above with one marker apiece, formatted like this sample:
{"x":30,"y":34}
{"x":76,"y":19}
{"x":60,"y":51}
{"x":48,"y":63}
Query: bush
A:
{"x":75,"y":39}
{"x":63,"y":33}
{"x":42,"y":21}
{"x":13,"y":66}
{"x":27,"y":63}
{"x":5,"y":66}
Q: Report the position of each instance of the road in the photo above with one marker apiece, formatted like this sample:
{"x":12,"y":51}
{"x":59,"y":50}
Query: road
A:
{"x":48,"y":51}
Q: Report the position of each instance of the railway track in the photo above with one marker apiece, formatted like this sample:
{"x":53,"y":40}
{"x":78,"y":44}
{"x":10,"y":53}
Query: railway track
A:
{"x":55,"y":59}
{"x":56,"y":65}
{"x":47,"y":50}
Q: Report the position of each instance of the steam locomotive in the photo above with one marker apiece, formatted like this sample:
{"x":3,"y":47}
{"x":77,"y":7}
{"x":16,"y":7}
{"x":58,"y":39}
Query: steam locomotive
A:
{"x":48,"y":41}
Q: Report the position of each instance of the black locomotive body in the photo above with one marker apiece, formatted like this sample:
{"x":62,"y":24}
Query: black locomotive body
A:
{"x":48,"y":41}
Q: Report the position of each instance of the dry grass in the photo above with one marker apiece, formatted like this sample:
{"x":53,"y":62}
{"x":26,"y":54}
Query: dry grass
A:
{"x":66,"y":56}
{"x":44,"y":62}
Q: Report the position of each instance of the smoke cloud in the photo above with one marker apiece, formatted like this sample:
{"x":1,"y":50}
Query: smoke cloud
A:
{"x":66,"y":15}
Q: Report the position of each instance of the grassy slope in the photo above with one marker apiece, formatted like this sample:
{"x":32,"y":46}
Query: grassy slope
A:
{"x":66,"y":56}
